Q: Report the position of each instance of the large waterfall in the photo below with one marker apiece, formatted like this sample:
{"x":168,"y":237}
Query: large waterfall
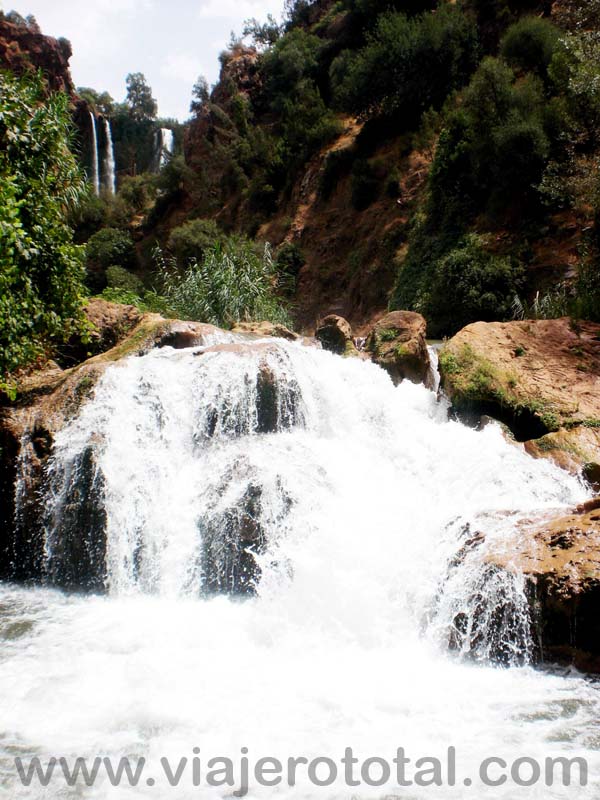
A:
{"x":109,"y":159}
{"x":95,"y":156}
{"x":276,"y":529}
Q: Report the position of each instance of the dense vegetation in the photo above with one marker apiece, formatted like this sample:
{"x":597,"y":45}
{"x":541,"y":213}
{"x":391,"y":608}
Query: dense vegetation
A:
{"x":498,"y":102}
{"x":41,"y":270}
{"x":504,"y":98}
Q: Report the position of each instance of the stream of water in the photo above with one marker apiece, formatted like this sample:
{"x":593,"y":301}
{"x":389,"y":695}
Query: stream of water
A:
{"x":328,"y":628}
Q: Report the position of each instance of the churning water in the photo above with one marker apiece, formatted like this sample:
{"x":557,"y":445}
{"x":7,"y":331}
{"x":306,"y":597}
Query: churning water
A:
{"x":276,"y":529}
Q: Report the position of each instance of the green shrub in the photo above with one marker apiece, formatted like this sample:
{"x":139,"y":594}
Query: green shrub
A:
{"x":192,"y":239}
{"x":119,"y":278}
{"x":144,"y":301}
{"x":408,"y":64}
{"x":233,"y":282}
{"x":530,"y":44}
{"x":109,"y":247}
{"x":41,"y":270}
{"x":138,"y":191}
{"x":470,"y":284}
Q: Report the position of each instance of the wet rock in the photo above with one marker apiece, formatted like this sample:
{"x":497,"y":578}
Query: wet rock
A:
{"x":76,"y":545}
{"x":236,"y":534}
{"x":180,"y":335}
{"x":560,"y":559}
{"x":398,"y":344}
{"x":335,"y":334}
{"x":539,"y":377}
{"x":270,"y":401}
{"x":47,"y":399}
{"x":265,"y":329}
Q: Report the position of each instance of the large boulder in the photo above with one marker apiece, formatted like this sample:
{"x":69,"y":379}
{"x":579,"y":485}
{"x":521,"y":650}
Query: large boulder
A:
{"x":109,"y":323}
{"x":560,"y":559}
{"x":397,"y":343}
{"x":539,"y":377}
{"x":335,"y":334}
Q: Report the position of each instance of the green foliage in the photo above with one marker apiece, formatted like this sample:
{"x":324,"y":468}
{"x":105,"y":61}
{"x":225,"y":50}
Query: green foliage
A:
{"x":41,"y":272}
{"x":200,"y":96}
{"x":193,"y":239}
{"x":232,"y":283}
{"x":494,"y":149}
{"x":138,"y":191}
{"x":575,"y":71}
{"x":530,"y":44}
{"x":408,"y":64}
{"x":100,"y":102}
{"x":141,"y":104}
{"x":263,"y":34}
{"x":144,"y":300}
{"x":110,"y":247}
{"x":470,"y":284}
{"x":119,"y":278}
{"x":135,"y":141}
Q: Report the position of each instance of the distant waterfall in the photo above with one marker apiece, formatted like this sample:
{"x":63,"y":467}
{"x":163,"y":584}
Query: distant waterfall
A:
{"x":95,"y":159}
{"x":165,"y":145}
{"x":108,"y":164}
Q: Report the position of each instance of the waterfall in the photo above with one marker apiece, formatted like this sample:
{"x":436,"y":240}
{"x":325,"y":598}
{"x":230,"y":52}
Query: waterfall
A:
{"x":282,"y":539}
{"x":95,"y":158}
{"x":109,"y":160}
{"x":255,"y":428}
{"x":165,"y":143}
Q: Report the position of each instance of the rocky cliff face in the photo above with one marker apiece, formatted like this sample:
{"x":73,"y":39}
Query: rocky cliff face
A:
{"x":24,"y":49}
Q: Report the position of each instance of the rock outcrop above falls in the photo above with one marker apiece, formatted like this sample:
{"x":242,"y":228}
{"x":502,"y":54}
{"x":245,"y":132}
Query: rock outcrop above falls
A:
{"x":539,"y":377}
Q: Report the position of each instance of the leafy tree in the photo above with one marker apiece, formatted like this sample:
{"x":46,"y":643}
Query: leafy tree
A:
{"x":200,"y":96}
{"x":263,"y":34}
{"x":530,"y":44}
{"x":41,"y":271}
{"x":109,"y":247}
{"x":141,"y":104}
{"x":193,"y":239}
{"x":408,"y":64}
{"x":292,"y":59}
{"x":575,"y":71}
{"x":471,"y":284}
{"x":101,"y":102}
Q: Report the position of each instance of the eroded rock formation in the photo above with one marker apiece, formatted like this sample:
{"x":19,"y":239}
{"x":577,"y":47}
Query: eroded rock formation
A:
{"x":540,"y":377}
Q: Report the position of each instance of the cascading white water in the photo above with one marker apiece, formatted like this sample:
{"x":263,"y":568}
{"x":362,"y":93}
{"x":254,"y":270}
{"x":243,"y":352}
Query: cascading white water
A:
{"x":165,"y":144}
{"x":109,"y":159}
{"x":95,"y":157}
{"x":351,"y":499}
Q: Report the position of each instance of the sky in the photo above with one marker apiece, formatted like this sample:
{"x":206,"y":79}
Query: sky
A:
{"x":171,"y":41}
